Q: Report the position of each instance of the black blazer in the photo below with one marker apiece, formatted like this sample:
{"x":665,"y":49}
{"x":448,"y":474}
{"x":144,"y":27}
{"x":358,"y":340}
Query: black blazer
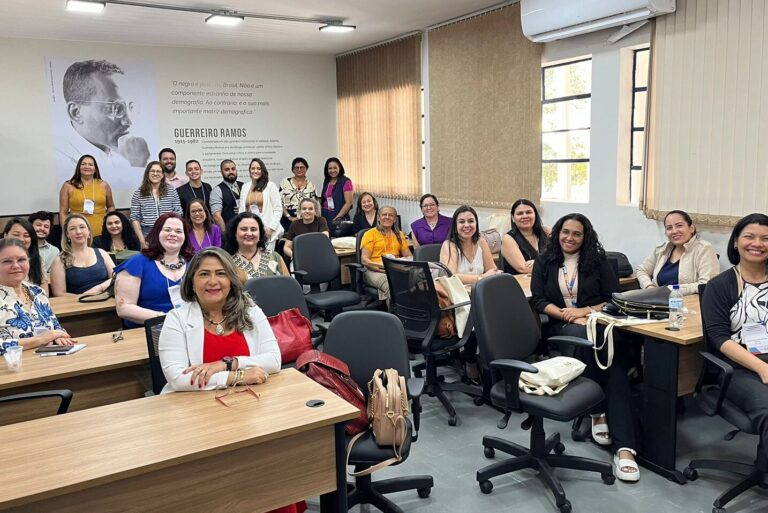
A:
{"x":593,"y":288}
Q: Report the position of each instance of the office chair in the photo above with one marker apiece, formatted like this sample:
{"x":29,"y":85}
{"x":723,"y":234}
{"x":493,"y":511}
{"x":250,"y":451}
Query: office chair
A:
{"x":427,"y":253}
{"x":274,"y":294}
{"x":366,"y":341}
{"x":315,"y":262}
{"x":413,"y":300}
{"x":508,"y":334}
{"x":711,"y":397}
{"x":368,"y":293}
{"x":65,"y":399}
{"x":152,"y":329}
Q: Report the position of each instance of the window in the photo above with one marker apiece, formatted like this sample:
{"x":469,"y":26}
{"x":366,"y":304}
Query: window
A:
{"x":566,"y":118}
{"x":637,"y":135}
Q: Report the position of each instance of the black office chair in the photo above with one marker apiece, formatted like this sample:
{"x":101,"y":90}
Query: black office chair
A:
{"x":413,"y":300}
{"x":275,"y":294}
{"x":368,"y":293}
{"x":152,"y":329}
{"x":315,"y":262}
{"x":508,"y":334}
{"x":711,"y":397}
{"x":65,"y":398}
{"x":366,"y":341}
{"x":427,"y":253}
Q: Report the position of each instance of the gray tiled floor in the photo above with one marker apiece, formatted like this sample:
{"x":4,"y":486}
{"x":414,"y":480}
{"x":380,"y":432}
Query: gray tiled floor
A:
{"x":453,"y":454}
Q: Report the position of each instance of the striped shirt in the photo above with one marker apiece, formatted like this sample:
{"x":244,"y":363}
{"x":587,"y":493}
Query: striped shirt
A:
{"x":146,"y":210}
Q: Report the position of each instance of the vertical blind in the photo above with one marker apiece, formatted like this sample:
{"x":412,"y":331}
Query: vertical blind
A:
{"x":708,"y":121}
{"x":485,"y":111}
{"x":379,"y":117}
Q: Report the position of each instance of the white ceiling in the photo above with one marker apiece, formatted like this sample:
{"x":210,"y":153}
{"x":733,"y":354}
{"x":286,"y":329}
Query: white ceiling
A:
{"x":376,"y":20}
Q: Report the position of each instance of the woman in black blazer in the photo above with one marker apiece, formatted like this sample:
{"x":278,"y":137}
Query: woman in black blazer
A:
{"x":570,"y":280}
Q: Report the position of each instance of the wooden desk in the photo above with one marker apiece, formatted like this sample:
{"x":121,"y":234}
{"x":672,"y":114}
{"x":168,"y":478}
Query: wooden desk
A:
{"x":182,"y":452}
{"x":82,"y":319}
{"x":105,"y":372}
{"x":524,"y":280}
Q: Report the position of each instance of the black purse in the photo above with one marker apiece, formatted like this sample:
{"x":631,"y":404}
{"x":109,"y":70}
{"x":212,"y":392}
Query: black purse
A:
{"x":342,"y":228}
{"x":108,"y":293}
{"x":652,"y":302}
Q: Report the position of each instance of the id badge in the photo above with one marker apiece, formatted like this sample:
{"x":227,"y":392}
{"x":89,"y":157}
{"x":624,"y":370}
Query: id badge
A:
{"x":755,"y":336}
{"x":174,"y":292}
{"x":88,"y":206}
{"x":329,"y":202}
{"x":255,"y":209}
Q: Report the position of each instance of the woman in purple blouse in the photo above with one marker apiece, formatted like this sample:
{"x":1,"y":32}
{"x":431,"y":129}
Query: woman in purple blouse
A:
{"x":433,"y":228}
{"x":204,"y":233}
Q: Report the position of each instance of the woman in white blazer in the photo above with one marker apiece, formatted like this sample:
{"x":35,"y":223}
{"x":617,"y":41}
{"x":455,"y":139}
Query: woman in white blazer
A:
{"x":218,"y":337}
{"x":262,"y":197}
{"x":684,"y":260}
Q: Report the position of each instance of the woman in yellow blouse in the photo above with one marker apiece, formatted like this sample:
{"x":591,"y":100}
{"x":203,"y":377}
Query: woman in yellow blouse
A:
{"x":385,"y":239}
{"x":86,"y":194}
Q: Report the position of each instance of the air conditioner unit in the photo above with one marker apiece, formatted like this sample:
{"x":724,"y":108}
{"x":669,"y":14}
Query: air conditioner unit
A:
{"x":548,"y":20}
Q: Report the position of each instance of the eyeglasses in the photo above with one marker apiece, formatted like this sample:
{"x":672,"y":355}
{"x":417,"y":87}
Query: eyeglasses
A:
{"x":428,"y":205}
{"x":117,"y":337}
{"x":228,"y":396}
{"x":10,"y":262}
{"x":118,"y":108}
{"x":196,"y":211}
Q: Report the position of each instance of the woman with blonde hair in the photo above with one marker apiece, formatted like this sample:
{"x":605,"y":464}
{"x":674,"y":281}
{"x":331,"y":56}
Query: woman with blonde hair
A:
{"x":80,"y":268}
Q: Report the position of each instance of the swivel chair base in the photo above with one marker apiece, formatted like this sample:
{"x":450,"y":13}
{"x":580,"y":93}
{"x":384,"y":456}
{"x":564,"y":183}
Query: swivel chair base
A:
{"x":434,"y":386}
{"x":538,"y":457}
{"x":366,"y":491}
{"x":754,"y":475}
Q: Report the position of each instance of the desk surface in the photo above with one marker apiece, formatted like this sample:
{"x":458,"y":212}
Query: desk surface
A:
{"x":690,"y":334}
{"x":137,"y":437}
{"x":69,"y":306}
{"x":101,"y":355}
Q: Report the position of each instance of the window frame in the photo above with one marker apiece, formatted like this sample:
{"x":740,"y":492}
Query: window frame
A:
{"x":633,"y":129}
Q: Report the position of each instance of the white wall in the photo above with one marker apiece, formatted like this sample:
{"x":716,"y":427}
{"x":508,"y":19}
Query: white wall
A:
{"x":300,"y":117}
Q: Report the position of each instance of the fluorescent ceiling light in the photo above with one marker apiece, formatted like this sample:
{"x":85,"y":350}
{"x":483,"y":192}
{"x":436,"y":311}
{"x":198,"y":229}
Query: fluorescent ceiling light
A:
{"x":224,"y":19}
{"x":337,"y":27}
{"x":85,"y":6}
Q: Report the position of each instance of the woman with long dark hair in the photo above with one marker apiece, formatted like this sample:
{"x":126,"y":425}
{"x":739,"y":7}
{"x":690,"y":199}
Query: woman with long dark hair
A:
{"x":366,"y":213}
{"x":571,"y":279}
{"x":262,"y":198}
{"x":116,"y":234}
{"x":337,"y":193}
{"x":522,"y":244}
{"x":204,"y":233}
{"x":465,"y":253}
{"x":246,"y":241}
{"x":151,"y":200}
{"x":86,"y":194}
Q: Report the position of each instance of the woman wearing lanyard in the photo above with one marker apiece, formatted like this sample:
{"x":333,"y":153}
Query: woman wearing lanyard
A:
{"x":204,"y":233}
{"x":87,"y":194}
{"x":338,"y":192}
{"x":147,"y":285}
{"x":153,"y":199}
{"x":261,"y":197}
{"x":569,"y":281}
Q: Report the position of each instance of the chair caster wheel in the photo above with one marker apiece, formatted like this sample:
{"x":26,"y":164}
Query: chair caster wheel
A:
{"x":565,"y":507}
{"x":489,"y":452}
{"x":486,"y":487}
{"x":479,"y":401}
{"x":576,"y":435}
{"x":691,"y":474}
{"x":559,"y":448}
{"x":608,"y":479}
{"x":452,"y":421}
{"x":424,"y":492}
{"x":718,"y":510}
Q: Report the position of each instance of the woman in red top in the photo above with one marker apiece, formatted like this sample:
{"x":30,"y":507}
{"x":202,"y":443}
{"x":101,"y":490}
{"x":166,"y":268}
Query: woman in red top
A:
{"x":218,"y":337}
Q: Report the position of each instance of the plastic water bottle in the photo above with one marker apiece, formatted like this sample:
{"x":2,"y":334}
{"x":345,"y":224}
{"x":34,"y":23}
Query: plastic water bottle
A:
{"x":675,"y":309}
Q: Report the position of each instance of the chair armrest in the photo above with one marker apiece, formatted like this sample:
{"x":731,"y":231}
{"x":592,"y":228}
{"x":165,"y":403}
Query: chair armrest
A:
{"x":457,"y":305}
{"x":356,"y":277}
{"x":357,"y":267}
{"x":543,"y":319}
{"x":724,"y":374}
{"x":299,"y":275}
{"x":64,"y":395}
{"x":571,"y":341}
{"x":510,"y":372}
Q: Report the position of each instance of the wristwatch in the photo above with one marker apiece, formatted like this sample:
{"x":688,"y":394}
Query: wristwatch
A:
{"x":228,"y":361}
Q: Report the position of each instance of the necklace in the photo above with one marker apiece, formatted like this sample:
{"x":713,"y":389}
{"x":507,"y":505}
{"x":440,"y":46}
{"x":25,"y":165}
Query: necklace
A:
{"x":27,"y":298}
{"x":174,"y":267}
{"x":219,"y":328}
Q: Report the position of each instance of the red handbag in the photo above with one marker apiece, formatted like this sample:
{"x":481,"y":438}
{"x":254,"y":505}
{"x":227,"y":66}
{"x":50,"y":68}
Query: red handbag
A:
{"x":333,"y":374}
{"x":293,"y":332}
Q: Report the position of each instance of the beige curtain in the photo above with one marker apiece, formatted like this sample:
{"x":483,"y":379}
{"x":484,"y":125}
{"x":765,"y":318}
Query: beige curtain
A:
{"x":707,"y":150}
{"x":485,"y":111}
{"x":379,"y":117}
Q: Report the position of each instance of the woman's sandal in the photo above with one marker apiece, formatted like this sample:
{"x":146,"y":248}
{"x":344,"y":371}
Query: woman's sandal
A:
{"x":621,"y":463}
{"x":600,"y":433}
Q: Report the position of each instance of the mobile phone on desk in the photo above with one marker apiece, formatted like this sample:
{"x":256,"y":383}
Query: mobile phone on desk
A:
{"x":57,"y":350}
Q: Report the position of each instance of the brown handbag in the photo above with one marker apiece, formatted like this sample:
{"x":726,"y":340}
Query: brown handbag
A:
{"x":446,"y":326}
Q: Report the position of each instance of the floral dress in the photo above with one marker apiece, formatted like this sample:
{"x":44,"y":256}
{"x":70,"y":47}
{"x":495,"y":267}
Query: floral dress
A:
{"x":17,"y":320}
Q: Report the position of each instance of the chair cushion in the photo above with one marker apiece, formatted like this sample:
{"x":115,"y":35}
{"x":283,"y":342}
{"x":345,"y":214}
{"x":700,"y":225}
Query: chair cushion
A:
{"x":729,"y":411}
{"x":366,"y":452}
{"x":580,"y":396}
{"x":332,"y":299}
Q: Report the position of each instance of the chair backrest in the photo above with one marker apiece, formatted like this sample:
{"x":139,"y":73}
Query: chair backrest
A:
{"x":367,"y":340}
{"x":614,"y":263}
{"x":413,"y":298}
{"x":275,"y":294}
{"x":314,"y":254}
{"x":359,"y":238}
{"x":152,"y":329}
{"x":504,"y":323}
{"x":427,"y":253}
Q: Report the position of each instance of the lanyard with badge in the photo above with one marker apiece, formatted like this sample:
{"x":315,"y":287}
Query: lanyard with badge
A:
{"x":754,"y":335}
{"x":569,"y":286}
{"x":89,"y":205}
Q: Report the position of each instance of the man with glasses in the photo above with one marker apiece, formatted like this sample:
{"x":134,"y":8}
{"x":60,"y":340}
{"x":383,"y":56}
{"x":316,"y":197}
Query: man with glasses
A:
{"x":101,"y":117}
{"x":226,"y":195}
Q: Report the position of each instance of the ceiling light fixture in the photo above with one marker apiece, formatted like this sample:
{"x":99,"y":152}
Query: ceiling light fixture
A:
{"x":85,"y":6}
{"x":227,"y":18}
{"x":337,"y":27}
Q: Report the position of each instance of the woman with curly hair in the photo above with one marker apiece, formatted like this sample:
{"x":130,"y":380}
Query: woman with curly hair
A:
{"x":262,"y":198}
{"x":570,"y":280}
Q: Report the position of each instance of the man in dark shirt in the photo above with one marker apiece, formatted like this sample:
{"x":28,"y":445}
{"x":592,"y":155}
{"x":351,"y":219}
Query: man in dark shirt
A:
{"x":225,"y":196}
{"x":195,"y":188}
